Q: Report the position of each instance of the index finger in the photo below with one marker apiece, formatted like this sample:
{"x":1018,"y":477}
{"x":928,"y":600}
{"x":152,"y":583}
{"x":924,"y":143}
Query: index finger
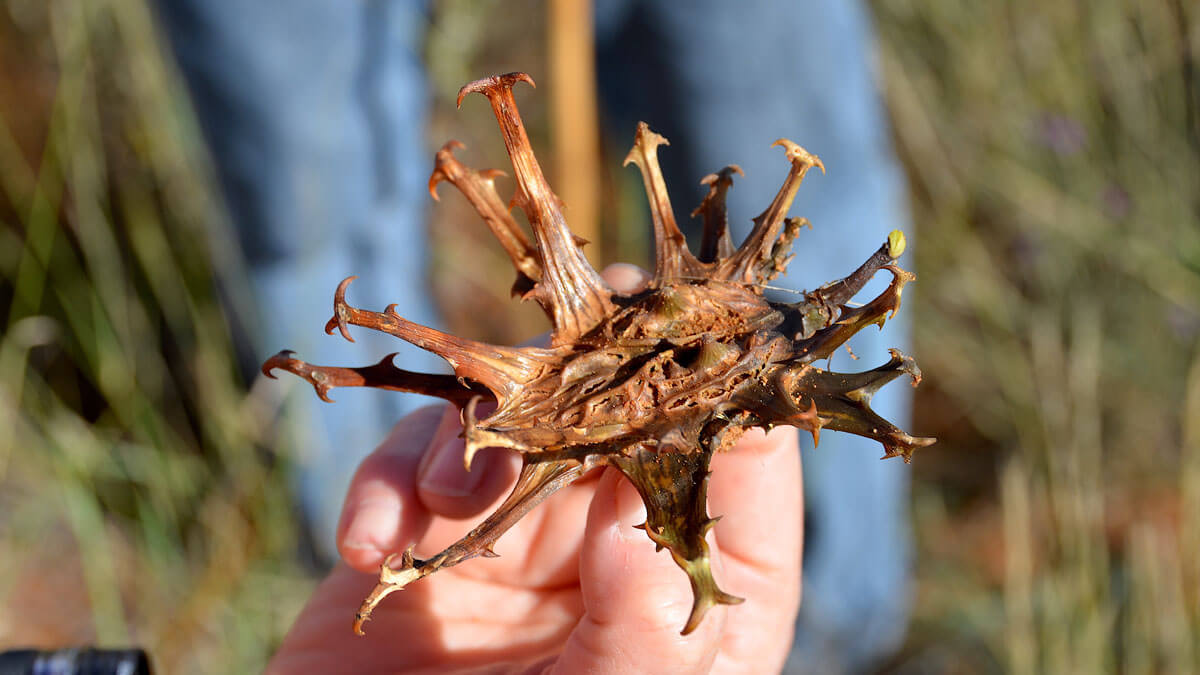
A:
{"x":381,"y":513}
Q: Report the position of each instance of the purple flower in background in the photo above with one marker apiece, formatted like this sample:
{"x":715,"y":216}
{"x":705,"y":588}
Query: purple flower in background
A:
{"x":1063,"y":135}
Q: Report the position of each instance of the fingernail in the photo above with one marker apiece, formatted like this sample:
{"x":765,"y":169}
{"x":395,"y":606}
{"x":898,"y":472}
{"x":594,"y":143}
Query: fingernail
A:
{"x":445,"y":474}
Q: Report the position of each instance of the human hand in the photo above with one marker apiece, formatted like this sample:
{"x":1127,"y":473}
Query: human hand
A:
{"x":576,"y":588}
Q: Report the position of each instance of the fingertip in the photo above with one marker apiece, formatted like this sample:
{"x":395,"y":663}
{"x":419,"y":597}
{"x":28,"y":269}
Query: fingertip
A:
{"x":370,"y":529}
{"x":625,"y":278}
{"x":617,"y":505}
{"x":446,"y":487}
{"x":381,"y":513}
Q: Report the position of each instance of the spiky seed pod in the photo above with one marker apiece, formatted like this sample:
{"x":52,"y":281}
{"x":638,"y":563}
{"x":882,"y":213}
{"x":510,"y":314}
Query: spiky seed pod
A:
{"x":652,"y":383}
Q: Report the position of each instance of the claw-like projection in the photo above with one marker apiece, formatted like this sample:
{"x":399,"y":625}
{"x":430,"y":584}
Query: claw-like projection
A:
{"x":715,"y":243}
{"x":503,"y":370}
{"x":653,"y":383}
{"x":478,"y":438}
{"x":673,"y":482}
{"x":823,"y":321}
{"x":382,"y":375}
{"x":849,"y":320}
{"x":579,"y":298}
{"x":479,"y":187}
{"x":537,"y":481}
{"x":746,"y":264}
{"x":783,"y":407}
{"x":672,"y":259}
{"x":845,"y":401}
{"x":390,"y":581}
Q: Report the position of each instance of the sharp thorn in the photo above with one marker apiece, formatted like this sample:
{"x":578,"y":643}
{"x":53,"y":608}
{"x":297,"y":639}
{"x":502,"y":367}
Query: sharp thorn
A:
{"x":339,"y":309}
{"x":795,"y":153}
{"x":276,"y":361}
{"x":487,"y":85}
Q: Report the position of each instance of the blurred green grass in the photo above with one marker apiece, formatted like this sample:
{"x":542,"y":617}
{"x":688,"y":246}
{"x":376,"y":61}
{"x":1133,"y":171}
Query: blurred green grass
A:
{"x":142,"y":502}
{"x":1053,"y":151}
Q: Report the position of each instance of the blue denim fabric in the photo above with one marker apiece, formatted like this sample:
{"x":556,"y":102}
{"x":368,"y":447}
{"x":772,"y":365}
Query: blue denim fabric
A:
{"x":316,"y":120}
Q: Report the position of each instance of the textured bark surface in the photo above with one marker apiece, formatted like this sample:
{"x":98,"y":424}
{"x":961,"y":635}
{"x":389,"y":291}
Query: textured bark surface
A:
{"x":652,"y":383}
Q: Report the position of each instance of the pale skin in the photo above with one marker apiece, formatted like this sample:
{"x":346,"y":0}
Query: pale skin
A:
{"x":576,"y":588}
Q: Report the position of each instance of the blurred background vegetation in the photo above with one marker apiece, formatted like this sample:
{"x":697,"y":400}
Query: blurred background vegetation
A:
{"x":1053,"y":153}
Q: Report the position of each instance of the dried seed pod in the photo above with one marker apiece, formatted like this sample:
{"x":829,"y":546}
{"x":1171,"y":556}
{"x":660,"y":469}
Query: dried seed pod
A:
{"x":652,"y":383}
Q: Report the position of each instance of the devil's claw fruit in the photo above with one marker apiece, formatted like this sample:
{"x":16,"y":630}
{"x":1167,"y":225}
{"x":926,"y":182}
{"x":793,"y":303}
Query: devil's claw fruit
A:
{"x":652,"y":383}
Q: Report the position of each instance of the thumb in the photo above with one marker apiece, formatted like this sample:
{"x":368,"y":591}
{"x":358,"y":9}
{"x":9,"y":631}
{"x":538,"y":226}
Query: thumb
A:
{"x":635,"y":600}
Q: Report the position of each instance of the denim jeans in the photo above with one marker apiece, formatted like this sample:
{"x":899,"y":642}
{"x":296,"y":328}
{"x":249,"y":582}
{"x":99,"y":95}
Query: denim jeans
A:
{"x":316,"y":117}
{"x":316,"y":120}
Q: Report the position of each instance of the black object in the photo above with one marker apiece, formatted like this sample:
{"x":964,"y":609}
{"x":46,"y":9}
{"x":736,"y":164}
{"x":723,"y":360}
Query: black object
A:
{"x":74,"y":661}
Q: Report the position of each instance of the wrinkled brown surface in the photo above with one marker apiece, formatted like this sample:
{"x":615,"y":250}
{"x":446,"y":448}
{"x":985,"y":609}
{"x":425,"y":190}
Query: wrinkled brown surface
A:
{"x":651,"y":383}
